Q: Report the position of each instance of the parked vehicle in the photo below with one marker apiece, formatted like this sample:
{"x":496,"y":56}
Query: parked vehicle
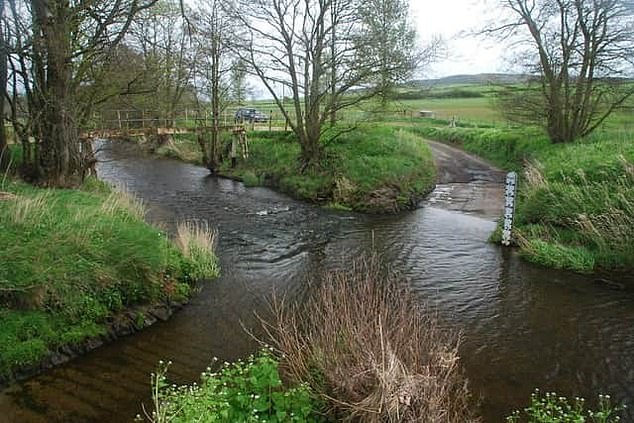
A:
{"x":250,"y":115}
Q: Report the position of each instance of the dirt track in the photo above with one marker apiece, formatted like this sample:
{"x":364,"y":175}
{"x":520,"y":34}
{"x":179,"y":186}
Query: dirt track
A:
{"x":466,"y":183}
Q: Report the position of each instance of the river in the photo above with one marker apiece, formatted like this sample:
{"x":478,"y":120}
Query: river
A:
{"x":523,"y":326}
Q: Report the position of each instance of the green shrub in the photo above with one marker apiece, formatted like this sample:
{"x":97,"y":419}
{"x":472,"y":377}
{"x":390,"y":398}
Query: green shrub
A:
{"x":551,"y":408}
{"x":250,"y":179}
{"x":244,"y":391}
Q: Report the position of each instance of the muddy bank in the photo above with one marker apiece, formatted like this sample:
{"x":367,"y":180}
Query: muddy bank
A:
{"x":466,"y":183}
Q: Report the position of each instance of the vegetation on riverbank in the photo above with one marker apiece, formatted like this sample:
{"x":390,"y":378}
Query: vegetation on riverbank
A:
{"x":374,"y":169}
{"x":244,"y":391}
{"x":551,"y":408}
{"x":576,"y":202}
{"x":358,"y":347}
{"x":72,"y":259}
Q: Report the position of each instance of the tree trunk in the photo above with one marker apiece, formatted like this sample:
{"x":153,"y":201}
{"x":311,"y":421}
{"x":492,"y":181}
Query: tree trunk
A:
{"x":59,"y":156}
{"x":311,"y":147}
{"x":4,"y":149}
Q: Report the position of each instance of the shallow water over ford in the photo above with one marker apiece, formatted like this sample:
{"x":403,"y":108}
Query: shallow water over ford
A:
{"x":523,"y":326}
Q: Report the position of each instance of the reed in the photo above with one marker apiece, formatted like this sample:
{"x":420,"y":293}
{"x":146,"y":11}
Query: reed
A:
{"x":370,"y":351}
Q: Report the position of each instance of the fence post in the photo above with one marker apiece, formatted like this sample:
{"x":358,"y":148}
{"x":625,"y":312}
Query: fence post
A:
{"x":271,"y":121}
{"x":119,"y":118}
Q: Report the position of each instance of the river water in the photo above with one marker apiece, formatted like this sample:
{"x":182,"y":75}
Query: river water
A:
{"x":523,"y":326}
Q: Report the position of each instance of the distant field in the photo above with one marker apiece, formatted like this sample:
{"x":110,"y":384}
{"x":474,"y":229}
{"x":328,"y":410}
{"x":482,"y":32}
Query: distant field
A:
{"x":470,"y":109}
{"x":468,"y":103}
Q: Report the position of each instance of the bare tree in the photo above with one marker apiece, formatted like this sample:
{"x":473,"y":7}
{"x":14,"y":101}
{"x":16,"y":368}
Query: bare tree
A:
{"x":162,"y":37}
{"x":214,"y":34}
{"x":577,"y":53}
{"x":285,"y":45}
{"x":314,"y":50}
{"x":55,"y":44}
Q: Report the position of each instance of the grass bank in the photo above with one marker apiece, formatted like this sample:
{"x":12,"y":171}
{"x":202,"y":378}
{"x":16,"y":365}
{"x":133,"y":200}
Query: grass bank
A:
{"x":576,"y":202}
{"x":375,"y":169}
{"x":72,"y":260}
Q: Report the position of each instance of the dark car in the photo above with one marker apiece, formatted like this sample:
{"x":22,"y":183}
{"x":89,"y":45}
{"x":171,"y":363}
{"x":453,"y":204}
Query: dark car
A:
{"x":250,"y":115}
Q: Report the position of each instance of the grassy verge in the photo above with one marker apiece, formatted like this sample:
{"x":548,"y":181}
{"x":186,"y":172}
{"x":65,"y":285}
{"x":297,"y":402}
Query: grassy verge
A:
{"x":374,"y":169}
{"x":576,"y":202}
{"x":72,"y":259}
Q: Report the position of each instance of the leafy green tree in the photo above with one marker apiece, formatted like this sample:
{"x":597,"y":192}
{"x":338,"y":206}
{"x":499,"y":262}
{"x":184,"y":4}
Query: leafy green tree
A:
{"x":240,"y":88}
{"x":322,"y":52}
{"x":387,"y":43}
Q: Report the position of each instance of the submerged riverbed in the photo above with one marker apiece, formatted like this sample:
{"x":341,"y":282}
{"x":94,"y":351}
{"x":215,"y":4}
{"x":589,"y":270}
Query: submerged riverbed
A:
{"x":523,"y":326}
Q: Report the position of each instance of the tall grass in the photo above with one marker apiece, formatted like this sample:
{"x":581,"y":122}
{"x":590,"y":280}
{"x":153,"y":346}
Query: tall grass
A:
{"x":577,"y":222}
{"x":22,"y":210}
{"x":366,"y":346}
{"x":196,"y":240}
{"x":121,"y":200}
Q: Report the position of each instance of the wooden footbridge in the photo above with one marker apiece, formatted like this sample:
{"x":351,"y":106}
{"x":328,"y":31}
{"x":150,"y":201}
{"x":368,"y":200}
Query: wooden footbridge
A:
{"x":135,"y":123}
{"x":114,"y":133}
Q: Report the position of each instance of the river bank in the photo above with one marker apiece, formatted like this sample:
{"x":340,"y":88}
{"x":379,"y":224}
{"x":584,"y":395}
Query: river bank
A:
{"x":81,"y":267}
{"x":372,"y":169}
{"x":505,"y":308}
{"x":576,"y":201}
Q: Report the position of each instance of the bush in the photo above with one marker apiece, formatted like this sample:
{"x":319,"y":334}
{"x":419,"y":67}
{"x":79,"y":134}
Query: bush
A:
{"x":551,"y":408}
{"x":364,"y":344}
{"x":248,"y":391}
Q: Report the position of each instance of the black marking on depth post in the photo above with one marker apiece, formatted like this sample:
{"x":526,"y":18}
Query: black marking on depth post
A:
{"x":509,"y":207}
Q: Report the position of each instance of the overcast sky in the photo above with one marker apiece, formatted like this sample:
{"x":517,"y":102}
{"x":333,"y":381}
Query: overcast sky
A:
{"x":448,"y":18}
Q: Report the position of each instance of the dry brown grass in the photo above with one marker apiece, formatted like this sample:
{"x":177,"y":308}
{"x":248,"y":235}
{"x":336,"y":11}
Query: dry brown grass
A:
{"x":197,"y":241}
{"x":121,"y":199}
{"x":7,"y":196}
{"x":364,"y":343}
{"x":192,"y":236}
{"x":29,"y":209}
